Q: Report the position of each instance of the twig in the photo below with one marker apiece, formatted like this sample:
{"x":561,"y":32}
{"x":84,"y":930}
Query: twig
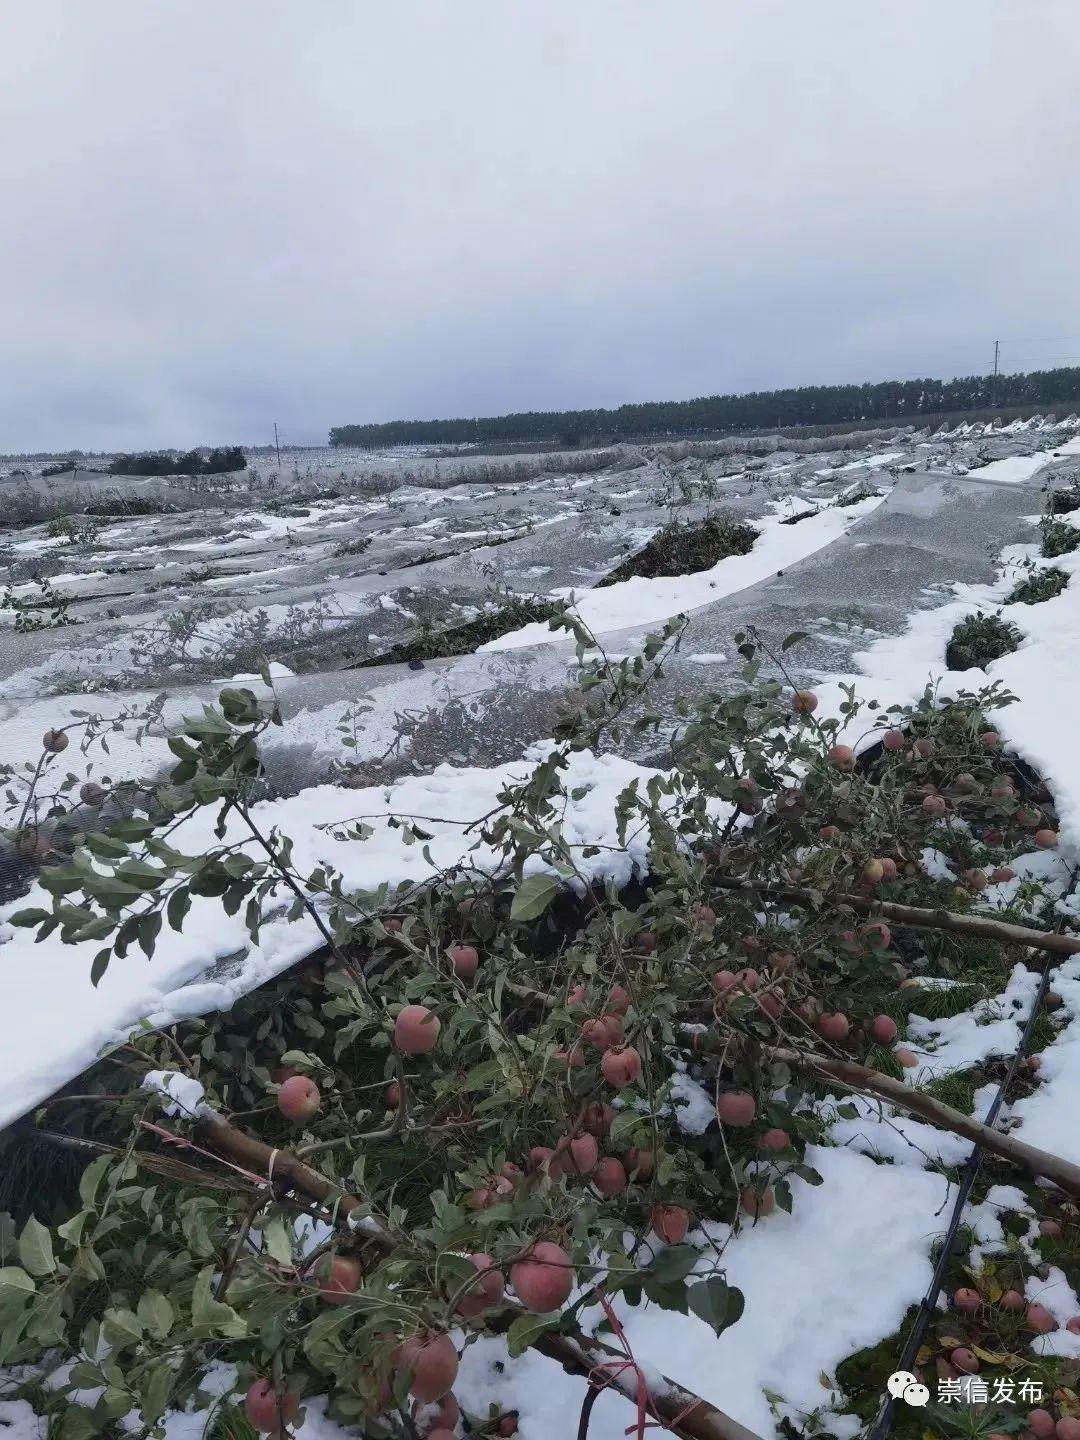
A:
{"x":914,"y":916}
{"x":872,"y":1082}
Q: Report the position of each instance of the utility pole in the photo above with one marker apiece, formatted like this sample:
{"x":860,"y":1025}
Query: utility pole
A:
{"x":994,"y":380}
{"x":277,"y":446}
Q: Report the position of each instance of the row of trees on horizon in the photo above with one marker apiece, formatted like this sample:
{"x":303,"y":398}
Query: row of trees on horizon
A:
{"x":764,"y":409}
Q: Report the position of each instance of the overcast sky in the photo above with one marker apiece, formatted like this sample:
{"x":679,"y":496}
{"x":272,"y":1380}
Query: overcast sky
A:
{"x":220,"y":214}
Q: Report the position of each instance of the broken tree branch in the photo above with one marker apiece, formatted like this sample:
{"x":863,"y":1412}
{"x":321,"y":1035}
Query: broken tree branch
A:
{"x":916,"y":1102}
{"x":913,"y":916}
{"x":678,"y":1410}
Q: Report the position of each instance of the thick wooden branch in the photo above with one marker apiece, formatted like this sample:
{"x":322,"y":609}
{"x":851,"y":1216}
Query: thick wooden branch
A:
{"x":680,"y":1411}
{"x":916,"y":1102}
{"x":913,"y":916}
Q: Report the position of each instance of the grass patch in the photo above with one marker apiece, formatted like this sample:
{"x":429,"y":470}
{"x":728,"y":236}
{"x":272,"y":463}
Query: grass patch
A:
{"x":120,"y":506}
{"x":1059,"y":538}
{"x":1063,"y":502}
{"x":431,"y":642}
{"x":982,"y":638}
{"x":685,"y":548}
{"x":1042,"y":585}
{"x":957,"y":1090}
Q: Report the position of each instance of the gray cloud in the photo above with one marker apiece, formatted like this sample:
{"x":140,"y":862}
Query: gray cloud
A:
{"x":219,"y":216}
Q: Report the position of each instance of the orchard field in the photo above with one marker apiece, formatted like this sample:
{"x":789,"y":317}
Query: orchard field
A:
{"x":557,"y":945}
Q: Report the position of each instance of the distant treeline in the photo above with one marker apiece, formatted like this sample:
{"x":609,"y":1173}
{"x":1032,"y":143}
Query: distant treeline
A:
{"x":764,"y":409}
{"x":217,"y":462}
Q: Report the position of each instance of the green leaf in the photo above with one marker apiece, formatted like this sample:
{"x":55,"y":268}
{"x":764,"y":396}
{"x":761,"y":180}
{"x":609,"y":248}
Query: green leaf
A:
{"x":26,"y":918}
{"x":100,"y":965}
{"x":178,"y":906}
{"x":36,"y":1248}
{"x":716,"y":1302}
{"x":72,"y":1229}
{"x":154,"y":1392}
{"x":155,"y":1314}
{"x":209,"y":1316}
{"x":534,"y":895}
{"x":277,"y":1237}
{"x":526,"y":1330}
{"x":91,"y":1178}
{"x":14,"y":1283}
{"x":79,"y":1423}
{"x":121,"y":1327}
{"x":673,"y":1264}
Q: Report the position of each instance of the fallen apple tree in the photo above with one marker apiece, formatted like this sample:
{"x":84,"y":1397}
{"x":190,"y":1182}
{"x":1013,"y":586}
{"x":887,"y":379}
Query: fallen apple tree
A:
{"x":484,"y":1061}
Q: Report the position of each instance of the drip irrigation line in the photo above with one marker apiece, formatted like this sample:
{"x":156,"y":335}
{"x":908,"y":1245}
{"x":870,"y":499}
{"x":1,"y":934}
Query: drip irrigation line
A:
{"x":882,"y":1423}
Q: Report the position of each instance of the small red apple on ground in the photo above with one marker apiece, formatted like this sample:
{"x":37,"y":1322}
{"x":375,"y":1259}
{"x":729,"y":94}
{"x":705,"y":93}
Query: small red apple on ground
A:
{"x":1040,"y":1319}
{"x":883,"y":1029}
{"x":907,"y":1058}
{"x":1046,"y":839}
{"x":671,"y":1222}
{"x":1050,"y":1228}
{"x":465,"y":960}
{"x":1012,"y":1300}
{"x":640,"y":1163}
{"x":584,"y":1153}
{"x":967,"y":1300}
{"x":618,"y":1000}
{"x":299,"y":1098}
{"x":433,"y":1363}
{"x":544,"y":1278}
{"x":262,"y":1408}
{"x":609,"y":1177}
{"x":877,"y":933}
{"x":834,"y":1026}
{"x":485,"y":1292}
{"x":755,"y":1202}
{"x":774,"y":1140}
{"x":1041,"y":1423}
{"x":736,"y":1108}
{"x":934,"y":805}
{"x":338,"y":1277}
{"x":621,"y":1066}
{"x":598,"y":1119}
{"x":966,"y":1362}
{"x":416,"y":1030}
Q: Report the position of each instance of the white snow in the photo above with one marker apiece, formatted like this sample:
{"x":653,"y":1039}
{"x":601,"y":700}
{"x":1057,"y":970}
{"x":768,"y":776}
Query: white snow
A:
{"x":887,"y":1134}
{"x":185,"y":1095}
{"x":992,"y":1027}
{"x":835,"y":1275}
{"x":650,"y":602}
{"x":1014,"y":470}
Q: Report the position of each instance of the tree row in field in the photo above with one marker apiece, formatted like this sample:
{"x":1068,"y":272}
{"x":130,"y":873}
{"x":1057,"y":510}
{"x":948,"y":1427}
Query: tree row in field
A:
{"x":806,"y":405}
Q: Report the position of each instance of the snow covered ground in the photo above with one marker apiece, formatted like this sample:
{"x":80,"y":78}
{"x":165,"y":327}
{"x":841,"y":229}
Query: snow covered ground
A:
{"x":840,"y":1271}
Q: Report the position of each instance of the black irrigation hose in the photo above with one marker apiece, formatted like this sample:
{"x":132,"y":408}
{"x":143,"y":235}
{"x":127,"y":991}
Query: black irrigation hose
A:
{"x":928,"y":1305}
